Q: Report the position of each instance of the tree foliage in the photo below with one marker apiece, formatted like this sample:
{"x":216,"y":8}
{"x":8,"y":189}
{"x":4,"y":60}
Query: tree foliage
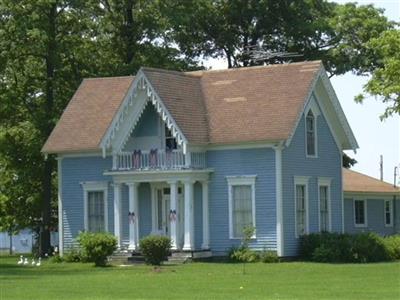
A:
{"x":385,"y":80}
{"x":315,"y":29}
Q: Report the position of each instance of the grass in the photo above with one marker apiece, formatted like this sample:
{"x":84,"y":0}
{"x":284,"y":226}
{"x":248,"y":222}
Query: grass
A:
{"x":293,"y":280}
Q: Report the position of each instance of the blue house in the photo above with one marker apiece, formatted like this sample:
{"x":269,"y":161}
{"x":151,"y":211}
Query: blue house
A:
{"x":197,"y":156}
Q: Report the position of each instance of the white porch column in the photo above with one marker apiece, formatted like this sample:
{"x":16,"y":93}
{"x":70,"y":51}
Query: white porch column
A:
{"x":117,"y":212}
{"x":133,"y":216}
{"x":189,"y":229}
{"x":206,"y":226}
{"x":173,"y":213}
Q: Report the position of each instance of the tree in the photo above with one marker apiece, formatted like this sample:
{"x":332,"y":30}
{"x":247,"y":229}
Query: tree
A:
{"x":348,"y":162}
{"x":385,"y":80}
{"x":46,"y":47}
{"x":317,"y":29}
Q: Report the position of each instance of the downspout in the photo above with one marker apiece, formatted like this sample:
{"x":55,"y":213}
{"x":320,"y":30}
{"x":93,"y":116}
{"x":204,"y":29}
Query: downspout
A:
{"x":60,"y":209}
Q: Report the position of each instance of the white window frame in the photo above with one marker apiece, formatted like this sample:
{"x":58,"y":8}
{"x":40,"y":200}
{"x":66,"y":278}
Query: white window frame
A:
{"x":238,"y":181}
{"x":94,"y":186}
{"x":390,"y":211}
{"x":313,"y":107}
{"x":365,"y":213}
{"x":325,"y":182}
{"x":301,"y":180}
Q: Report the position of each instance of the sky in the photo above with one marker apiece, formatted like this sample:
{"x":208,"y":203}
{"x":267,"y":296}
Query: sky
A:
{"x":374,"y":137}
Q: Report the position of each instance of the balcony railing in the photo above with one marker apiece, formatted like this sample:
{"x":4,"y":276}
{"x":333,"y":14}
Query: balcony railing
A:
{"x":159,"y":159}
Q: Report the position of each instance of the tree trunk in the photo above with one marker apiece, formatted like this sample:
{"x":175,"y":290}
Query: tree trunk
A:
{"x":129,"y":31}
{"x":11,"y":243}
{"x":49,"y":105}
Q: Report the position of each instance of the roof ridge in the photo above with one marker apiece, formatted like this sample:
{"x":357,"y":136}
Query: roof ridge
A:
{"x":250,"y":68}
{"x":373,"y":178}
{"x":179,"y":73}
{"x":108,"y":77}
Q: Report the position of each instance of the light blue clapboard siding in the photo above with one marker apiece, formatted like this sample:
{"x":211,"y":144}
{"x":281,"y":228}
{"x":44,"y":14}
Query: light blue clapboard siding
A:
{"x":74,"y":172}
{"x":375,"y":216}
{"x":295,"y":163}
{"x":260,"y":162}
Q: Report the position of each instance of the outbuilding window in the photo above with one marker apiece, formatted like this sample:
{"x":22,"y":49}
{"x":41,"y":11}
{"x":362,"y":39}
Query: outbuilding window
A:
{"x":360,"y":213}
{"x":388,"y":213}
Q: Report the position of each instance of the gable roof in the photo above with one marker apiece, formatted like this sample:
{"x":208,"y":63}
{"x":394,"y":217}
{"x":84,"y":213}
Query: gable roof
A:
{"x":182,"y":95}
{"x":357,"y":182}
{"x":253,"y":104}
{"x":88,"y":115}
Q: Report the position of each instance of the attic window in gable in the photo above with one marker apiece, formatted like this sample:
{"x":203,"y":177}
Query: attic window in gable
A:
{"x":170,"y":141}
{"x":310,"y":134}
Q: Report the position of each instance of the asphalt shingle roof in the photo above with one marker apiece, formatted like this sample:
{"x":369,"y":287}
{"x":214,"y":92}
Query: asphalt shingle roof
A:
{"x":210,"y":107}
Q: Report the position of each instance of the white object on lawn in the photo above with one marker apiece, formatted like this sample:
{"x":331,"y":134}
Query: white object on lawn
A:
{"x":21,"y":260}
{"x":39,"y":262}
{"x":25,"y":261}
{"x":33,"y":262}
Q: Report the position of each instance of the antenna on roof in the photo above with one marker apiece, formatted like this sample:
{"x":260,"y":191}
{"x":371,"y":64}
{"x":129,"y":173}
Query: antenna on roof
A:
{"x":260,"y":53}
{"x":395,"y":175}
{"x":381,"y":167}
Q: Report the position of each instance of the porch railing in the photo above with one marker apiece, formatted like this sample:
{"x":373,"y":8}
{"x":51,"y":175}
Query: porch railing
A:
{"x":158,"y":159}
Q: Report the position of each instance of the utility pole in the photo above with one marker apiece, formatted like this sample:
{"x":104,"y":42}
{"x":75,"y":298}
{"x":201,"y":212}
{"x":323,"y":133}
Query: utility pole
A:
{"x":381,"y":167}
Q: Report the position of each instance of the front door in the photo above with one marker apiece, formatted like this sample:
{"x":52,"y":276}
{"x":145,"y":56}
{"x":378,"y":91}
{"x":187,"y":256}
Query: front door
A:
{"x":163,"y":212}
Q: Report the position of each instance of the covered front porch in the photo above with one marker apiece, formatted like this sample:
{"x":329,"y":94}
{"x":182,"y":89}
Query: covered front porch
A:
{"x":169,"y":203}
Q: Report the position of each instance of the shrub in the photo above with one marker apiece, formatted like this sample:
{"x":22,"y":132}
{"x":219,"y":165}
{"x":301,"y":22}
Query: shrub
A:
{"x":56,"y":259}
{"x":335,"y":247}
{"x":392,"y":244}
{"x":369,"y":247}
{"x":243,"y":254}
{"x":96,"y":247}
{"x":73,"y":255}
{"x":269,"y":256}
{"x":155,"y":249}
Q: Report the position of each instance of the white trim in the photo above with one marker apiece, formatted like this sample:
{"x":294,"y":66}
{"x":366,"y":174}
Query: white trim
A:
{"x":324,"y":181}
{"x":94,"y":186}
{"x":339,"y":111}
{"x":279,"y":205}
{"x":365,"y":224}
{"x":143,"y":84}
{"x":237,"y":181}
{"x":188,"y":242}
{"x":341,"y":191}
{"x":238,"y":146}
{"x":206,"y":220}
{"x":117,"y":213}
{"x":301,"y":180}
{"x":321,"y":74}
{"x":315,"y":113}
{"x":79,"y":154}
{"x":390,"y":211}
{"x":133,"y":208}
{"x":60,"y":209}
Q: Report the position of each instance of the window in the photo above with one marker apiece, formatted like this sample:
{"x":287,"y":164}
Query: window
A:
{"x":324,"y":187}
{"x":301,"y":205}
{"x":96,"y":213}
{"x":388,"y":205}
{"x":310,"y":134}
{"x":241,"y":204}
{"x":360,"y":213}
{"x":170,"y":142}
{"x":323,"y":199}
{"x":95,"y":206}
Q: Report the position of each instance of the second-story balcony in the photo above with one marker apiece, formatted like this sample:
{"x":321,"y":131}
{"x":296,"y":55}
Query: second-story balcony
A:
{"x":158,"y":160}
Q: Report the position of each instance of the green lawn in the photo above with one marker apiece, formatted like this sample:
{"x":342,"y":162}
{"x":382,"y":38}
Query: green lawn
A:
{"x":200,"y":281}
